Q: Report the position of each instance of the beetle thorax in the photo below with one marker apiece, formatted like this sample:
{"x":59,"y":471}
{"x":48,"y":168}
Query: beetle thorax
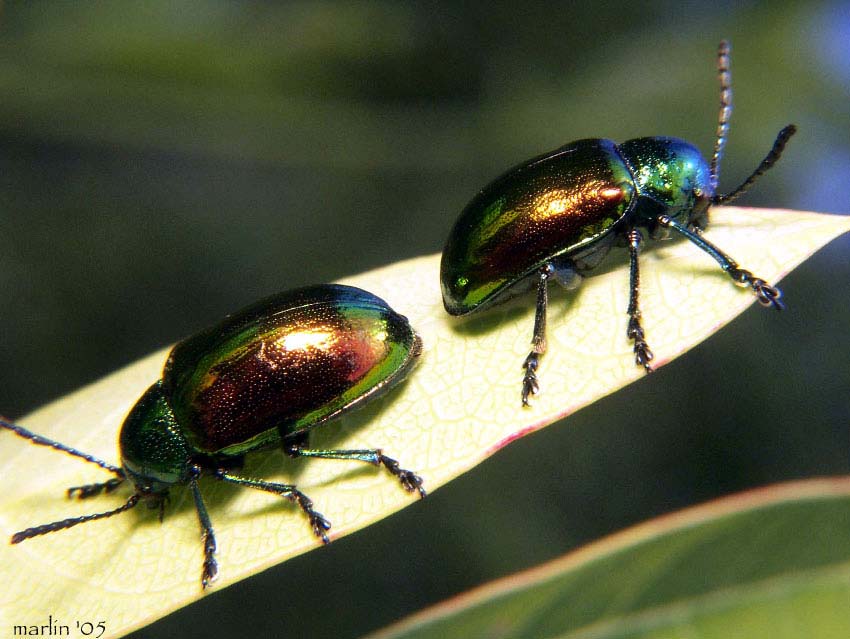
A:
{"x":154,"y":452}
{"x":671,"y":176}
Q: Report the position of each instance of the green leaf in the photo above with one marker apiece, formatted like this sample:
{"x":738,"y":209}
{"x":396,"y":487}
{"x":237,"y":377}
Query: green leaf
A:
{"x":460,"y":406}
{"x":771,"y":562}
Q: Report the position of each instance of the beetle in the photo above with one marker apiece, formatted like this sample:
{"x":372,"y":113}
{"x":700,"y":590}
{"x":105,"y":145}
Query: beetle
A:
{"x":262,"y":378}
{"x":557,"y":216}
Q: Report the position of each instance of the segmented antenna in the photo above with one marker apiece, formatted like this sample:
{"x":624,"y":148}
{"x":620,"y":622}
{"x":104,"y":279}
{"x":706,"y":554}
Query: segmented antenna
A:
{"x":44,"y":441}
{"x":35,"y":531}
{"x":725,"y":76}
{"x":768,"y":161}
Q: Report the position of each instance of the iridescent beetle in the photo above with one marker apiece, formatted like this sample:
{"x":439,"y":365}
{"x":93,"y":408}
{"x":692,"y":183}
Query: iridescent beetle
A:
{"x":262,"y":378}
{"x":558,"y":215}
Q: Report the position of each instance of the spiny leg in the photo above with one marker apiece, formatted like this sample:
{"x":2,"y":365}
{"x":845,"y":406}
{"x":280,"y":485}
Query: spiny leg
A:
{"x":410,"y":481}
{"x":35,"y":531}
{"x":766,"y":294}
{"x":210,"y":570}
{"x":643,"y":356}
{"x":530,"y":386}
{"x":318,"y":523}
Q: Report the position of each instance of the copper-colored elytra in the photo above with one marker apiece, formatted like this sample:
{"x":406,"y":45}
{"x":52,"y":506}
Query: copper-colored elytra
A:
{"x":612,"y":193}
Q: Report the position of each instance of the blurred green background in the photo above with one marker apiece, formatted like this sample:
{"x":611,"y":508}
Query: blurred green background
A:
{"x":166,"y":162}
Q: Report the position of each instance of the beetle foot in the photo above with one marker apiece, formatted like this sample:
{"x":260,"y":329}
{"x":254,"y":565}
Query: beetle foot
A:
{"x":91,"y":490}
{"x":320,"y":526}
{"x":410,"y":481}
{"x":210,"y":571}
{"x":530,"y":386}
{"x":318,"y":523}
{"x":643,"y":356}
{"x":766,"y":294}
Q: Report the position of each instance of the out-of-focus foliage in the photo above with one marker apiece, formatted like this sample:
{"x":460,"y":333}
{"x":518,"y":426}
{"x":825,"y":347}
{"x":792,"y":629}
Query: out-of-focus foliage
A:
{"x":769,"y":562}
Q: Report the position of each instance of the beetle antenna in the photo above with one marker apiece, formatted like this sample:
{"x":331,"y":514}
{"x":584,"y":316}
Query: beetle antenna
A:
{"x":768,"y":161}
{"x":44,"y":441}
{"x":725,"y":76}
{"x":18,"y":537}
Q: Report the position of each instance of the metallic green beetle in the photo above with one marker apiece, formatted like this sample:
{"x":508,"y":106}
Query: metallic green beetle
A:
{"x":261,"y":378}
{"x":558,"y":215}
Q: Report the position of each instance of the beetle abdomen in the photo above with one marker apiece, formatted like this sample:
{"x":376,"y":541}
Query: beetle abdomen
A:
{"x":291,"y":361}
{"x":552,"y":205}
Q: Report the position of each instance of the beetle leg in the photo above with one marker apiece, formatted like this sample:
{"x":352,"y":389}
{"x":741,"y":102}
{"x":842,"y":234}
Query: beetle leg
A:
{"x":318,"y":523}
{"x":766,"y":294}
{"x":643,"y":356}
{"x":90,"y":490}
{"x":210,"y":570}
{"x":530,"y":385}
{"x":410,"y":481}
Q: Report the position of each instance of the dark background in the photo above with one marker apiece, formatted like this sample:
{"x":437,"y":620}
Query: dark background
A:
{"x":166,"y":162}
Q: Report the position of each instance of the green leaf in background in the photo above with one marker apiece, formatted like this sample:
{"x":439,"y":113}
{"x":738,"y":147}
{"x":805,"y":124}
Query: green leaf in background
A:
{"x":460,"y":406}
{"x":773,"y":562}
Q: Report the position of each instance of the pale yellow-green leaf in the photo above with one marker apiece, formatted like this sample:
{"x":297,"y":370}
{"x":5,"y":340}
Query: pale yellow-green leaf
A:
{"x":460,"y":405}
{"x":773,"y":562}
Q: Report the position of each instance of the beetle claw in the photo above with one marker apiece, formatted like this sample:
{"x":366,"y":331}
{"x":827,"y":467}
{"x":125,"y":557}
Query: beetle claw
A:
{"x":530,"y":385}
{"x":410,"y":481}
{"x":318,"y":523}
{"x":210,"y":571}
{"x":766,"y":294}
{"x":320,"y":526}
{"x":643,"y":356}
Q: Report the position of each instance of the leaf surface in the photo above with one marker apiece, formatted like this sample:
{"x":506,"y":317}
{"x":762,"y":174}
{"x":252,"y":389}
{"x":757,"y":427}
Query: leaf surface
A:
{"x":459,"y":406}
{"x":772,"y":562}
